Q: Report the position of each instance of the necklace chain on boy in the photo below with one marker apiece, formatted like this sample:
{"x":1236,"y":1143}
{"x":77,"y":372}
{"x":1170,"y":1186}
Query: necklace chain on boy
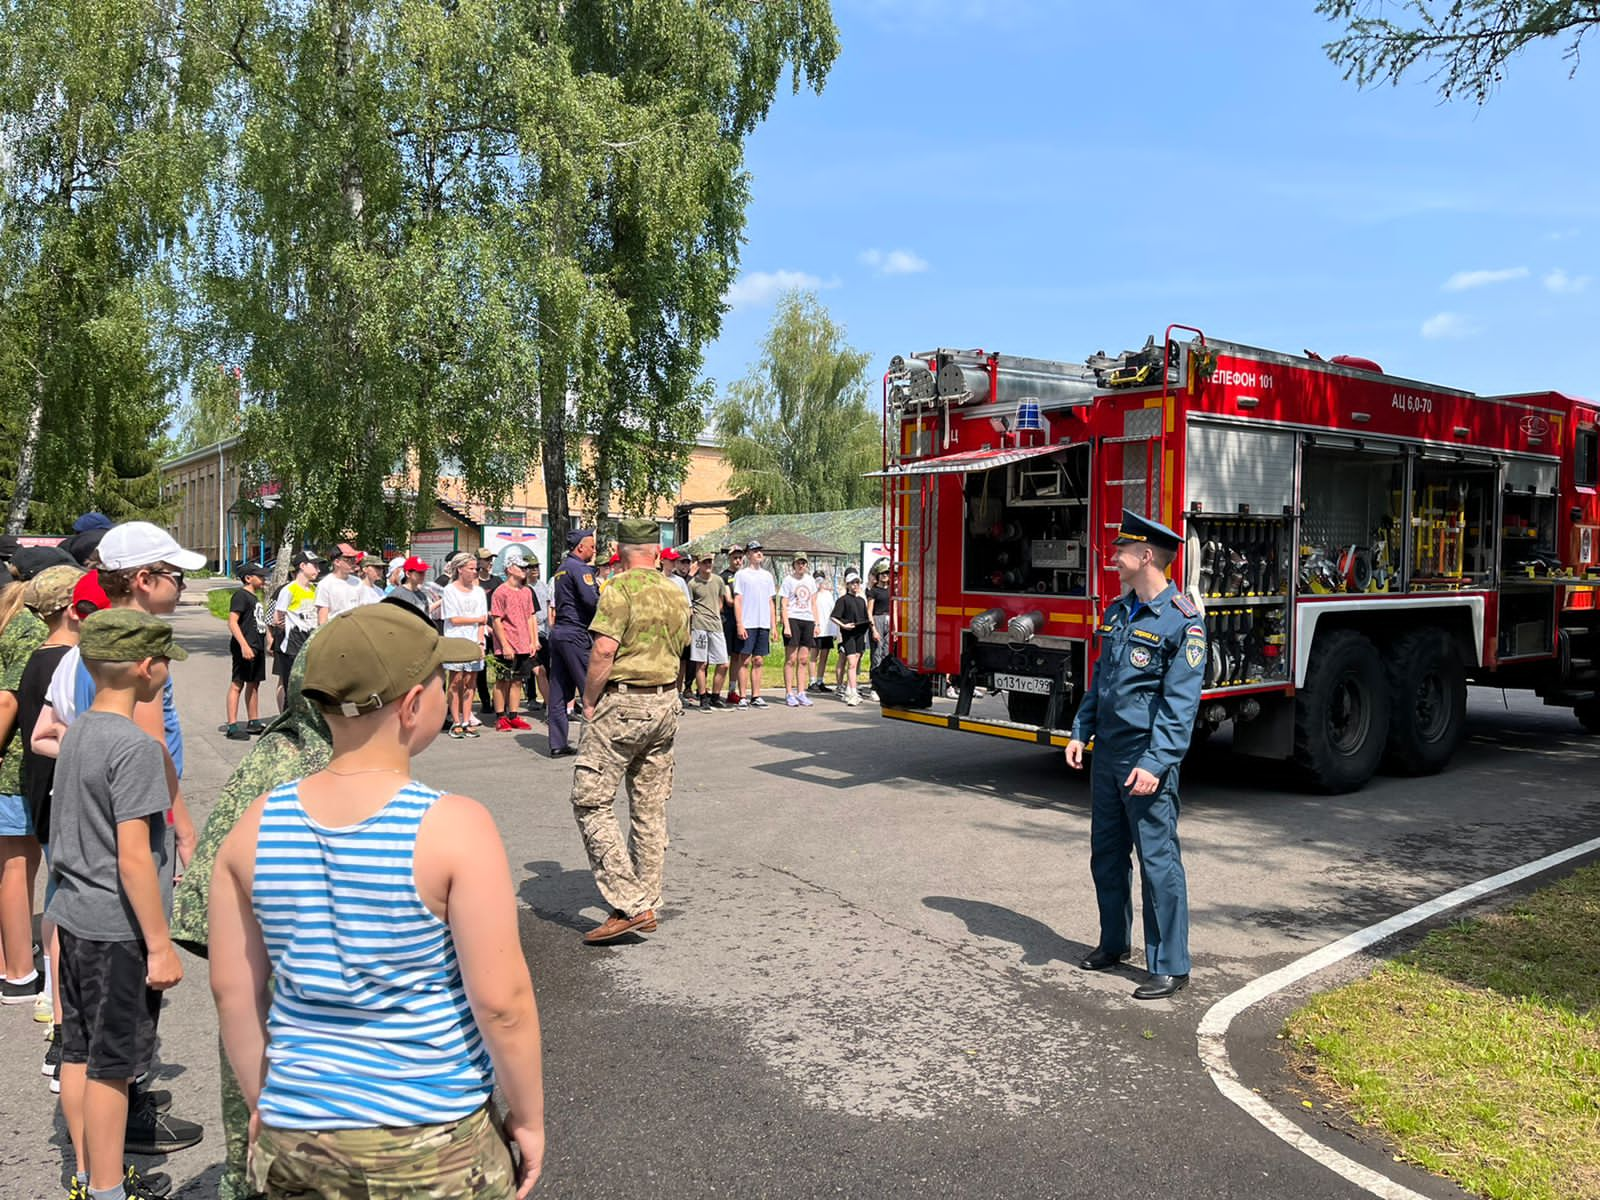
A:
{"x":367,"y":771}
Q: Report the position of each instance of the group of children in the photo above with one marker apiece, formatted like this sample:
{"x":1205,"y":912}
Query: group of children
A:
{"x":365,"y":960}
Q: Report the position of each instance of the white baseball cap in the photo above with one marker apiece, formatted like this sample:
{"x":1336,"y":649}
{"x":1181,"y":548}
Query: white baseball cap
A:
{"x":395,"y":563}
{"x":140,"y":544}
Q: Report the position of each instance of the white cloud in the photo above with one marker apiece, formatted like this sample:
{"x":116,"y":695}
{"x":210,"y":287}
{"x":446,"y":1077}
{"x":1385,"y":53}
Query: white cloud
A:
{"x":894,"y":262}
{"x":763,"y":287}
{"x":1463,"y":281}
{"x":1447,"y":325}
{"x":1562,"y":284}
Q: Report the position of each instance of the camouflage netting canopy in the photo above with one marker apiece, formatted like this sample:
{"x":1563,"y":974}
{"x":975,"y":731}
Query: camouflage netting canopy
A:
{"x":829,"y":539}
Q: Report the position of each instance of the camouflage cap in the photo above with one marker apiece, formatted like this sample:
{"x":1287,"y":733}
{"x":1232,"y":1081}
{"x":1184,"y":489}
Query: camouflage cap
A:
{"x":371,"y":656}
{"x":51,"y":589}
{"x":638,"y":531}
{"x":127,"y":635}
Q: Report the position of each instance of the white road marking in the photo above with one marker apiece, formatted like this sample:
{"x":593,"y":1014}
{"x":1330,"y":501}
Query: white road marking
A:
{"x":1212,"y":1034}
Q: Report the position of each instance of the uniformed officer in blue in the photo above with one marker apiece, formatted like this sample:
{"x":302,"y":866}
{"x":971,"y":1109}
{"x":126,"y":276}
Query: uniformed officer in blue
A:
{"x":1139,"y":711}
{"x":573,"y":597}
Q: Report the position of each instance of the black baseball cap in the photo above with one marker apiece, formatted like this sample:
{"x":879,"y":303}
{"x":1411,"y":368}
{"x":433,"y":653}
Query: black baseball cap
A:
{"x":306,"y":556}
{"x":252,"y":568}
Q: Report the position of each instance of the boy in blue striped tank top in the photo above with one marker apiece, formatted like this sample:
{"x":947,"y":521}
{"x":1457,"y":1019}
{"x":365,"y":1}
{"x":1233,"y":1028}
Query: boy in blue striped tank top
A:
{"x":369,"y":980}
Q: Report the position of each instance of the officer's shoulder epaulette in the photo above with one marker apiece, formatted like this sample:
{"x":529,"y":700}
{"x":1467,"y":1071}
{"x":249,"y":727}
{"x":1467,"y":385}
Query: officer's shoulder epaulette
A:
{"x":1185,"y":605}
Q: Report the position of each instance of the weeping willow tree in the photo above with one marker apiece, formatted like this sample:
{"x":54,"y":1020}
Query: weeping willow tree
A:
{"x":799,"y":430}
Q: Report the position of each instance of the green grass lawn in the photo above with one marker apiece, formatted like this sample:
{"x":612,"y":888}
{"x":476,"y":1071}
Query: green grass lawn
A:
{"x":1478,"y":1054}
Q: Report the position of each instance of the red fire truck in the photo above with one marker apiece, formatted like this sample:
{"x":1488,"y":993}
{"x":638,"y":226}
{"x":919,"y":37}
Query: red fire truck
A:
{"x":1363,"y":546}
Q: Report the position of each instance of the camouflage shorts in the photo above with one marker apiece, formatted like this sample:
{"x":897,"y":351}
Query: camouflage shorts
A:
{"x":467,"y":1158}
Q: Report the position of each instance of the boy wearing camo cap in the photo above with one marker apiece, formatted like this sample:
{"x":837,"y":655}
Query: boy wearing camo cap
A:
{"x":385,"y":1089}
{"x":113,"y":893}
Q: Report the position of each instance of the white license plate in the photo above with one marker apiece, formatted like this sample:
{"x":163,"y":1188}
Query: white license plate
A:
{"x":1033,"y":685}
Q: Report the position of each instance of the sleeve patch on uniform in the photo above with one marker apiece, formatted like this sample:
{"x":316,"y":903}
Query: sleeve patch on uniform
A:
{"x":1194,"y":653}
{"x":1196,"y":631}
{"x":588,"y":578}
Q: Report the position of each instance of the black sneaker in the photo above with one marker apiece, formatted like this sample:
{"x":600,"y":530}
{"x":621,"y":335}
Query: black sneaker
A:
{"x":52,"y":1056}
{"x":140,"y":1093}
{"x":718,"y":702}
{"x":137,"y":1185}
{"x":21,"y":993}
{"x":151,"y":1131}
{"x":256,"y":728}
{"x":237,"y":733}
{"x":705,"y":702}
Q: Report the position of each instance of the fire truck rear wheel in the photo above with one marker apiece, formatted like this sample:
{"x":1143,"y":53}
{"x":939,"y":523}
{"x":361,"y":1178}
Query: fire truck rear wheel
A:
{"x":1428,"y":702}
{"x":1341,"y":715}
{"x":1588,"y":714}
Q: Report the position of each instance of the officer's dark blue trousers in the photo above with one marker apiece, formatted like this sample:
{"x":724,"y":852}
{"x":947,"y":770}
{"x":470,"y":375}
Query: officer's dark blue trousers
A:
{"x":569,"y":667}
{"x":1120,"y":825}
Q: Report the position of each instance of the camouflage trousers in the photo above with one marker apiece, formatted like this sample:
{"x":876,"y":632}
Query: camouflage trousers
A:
{"x":464,"y":1160}
{"x":630,"y":739}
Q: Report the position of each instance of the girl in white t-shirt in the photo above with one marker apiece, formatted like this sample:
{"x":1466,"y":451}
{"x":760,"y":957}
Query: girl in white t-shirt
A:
{"x":464,"y":612}
{"x":826,"y":631}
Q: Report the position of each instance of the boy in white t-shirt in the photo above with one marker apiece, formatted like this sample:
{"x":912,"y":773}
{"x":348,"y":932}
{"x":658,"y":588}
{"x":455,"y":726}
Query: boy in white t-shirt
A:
{"x":755,"y":590}
{"x":340,"y":591}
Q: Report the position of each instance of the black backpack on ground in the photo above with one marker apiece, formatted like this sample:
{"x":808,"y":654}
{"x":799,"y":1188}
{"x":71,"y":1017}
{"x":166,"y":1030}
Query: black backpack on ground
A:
{"x":898,"y":686}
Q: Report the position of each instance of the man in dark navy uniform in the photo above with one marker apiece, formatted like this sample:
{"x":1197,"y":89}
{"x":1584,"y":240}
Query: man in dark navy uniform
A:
{"x":1139,"y":711}
{"x":573,"y":597}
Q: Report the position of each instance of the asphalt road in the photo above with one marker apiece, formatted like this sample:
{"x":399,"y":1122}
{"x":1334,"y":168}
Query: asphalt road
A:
{"x":863,"y":983}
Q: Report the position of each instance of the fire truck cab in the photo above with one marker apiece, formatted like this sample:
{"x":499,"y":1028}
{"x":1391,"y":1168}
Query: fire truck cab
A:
{"x":1363,"y":546}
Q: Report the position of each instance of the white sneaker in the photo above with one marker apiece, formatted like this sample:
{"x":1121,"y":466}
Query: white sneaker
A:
{"x":473,"y":722}
{"x":805,"y":700}
{"x":43,"y":1011}
{"x":792,"y":700}
{"x":852,"y":697}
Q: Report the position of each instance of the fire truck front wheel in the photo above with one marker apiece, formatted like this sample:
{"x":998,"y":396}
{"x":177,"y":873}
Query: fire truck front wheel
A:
{"x":1428,"y":702}
{"x":1342,"y":713}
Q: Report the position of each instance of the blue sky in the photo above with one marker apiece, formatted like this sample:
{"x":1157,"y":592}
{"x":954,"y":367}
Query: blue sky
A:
{"x":1051,"y":178}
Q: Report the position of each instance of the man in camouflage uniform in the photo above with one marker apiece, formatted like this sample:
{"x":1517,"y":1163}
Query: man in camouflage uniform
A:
{"x":295,"y":745}
{"x":630,"y":700}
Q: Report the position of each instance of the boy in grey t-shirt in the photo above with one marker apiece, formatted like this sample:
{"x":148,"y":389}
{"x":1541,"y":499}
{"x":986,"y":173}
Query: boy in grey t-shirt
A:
{"x":108,"y":844}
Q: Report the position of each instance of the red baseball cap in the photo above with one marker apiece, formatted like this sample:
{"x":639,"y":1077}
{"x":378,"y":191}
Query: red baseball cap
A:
{"x":88,"y":589}
{"x":415,"y":564}
{"x":670,"y":554}
{"x":613,"y":560}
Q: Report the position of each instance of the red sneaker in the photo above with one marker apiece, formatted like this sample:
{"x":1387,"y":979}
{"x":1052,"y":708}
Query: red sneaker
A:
{"x":518,"y":723}
{"x":504,"y":725}
{"x":733,"y":697}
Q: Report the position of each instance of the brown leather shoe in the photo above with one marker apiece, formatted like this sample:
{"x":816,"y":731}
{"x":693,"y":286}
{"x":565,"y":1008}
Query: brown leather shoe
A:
{"x":620,"y":924}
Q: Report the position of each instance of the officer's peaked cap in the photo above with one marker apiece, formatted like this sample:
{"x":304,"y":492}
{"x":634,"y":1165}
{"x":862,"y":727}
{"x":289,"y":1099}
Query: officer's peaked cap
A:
{"x":1137,"y":529}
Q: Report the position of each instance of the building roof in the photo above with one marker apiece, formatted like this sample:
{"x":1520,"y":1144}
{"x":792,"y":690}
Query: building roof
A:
{"x":840,"y":533}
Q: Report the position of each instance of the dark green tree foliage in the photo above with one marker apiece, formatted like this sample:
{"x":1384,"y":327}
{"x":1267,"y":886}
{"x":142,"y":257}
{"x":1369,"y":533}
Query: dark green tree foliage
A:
{"x":799,"y":430}
{"x":100,"y":162}
{"x":482,"y":232}
{"x":1466,"y":44}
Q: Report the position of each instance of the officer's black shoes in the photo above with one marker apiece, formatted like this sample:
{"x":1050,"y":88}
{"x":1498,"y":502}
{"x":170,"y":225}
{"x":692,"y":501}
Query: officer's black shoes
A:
{"x":564,"y":752}
{"x":1159,"y":987}
{"x":1100,"y":959}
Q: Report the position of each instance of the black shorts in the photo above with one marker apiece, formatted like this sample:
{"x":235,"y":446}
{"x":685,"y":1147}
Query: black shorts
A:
{"x":825,"y":641}
{"x":108,"y":1015}
{"x":517,"y":666}
{"x":802,"y":634}
{"x":541,"y":656}
{"x":251,"y":670}
{"x":853,"y":643}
